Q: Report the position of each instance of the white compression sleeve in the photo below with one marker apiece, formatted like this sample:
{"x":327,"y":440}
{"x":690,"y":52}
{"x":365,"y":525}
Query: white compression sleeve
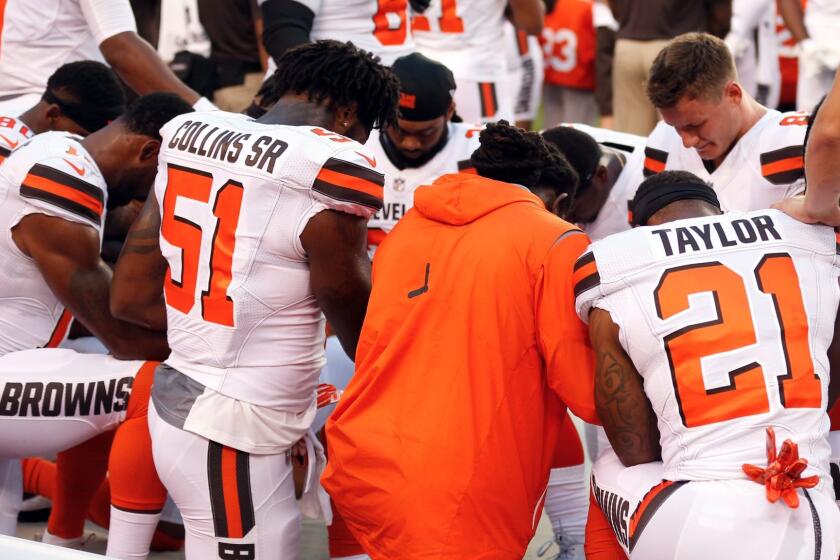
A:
{"x":107,"y":18}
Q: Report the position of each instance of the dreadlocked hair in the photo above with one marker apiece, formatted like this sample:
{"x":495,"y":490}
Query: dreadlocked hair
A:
{"x":341,"y":74}
{"x":510,"y":154}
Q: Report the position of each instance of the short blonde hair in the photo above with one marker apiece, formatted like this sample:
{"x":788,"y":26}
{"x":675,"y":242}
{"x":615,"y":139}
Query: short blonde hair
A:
{"x":696,"y":65}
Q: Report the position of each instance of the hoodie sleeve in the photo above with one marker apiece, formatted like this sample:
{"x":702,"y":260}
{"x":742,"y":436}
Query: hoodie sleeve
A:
{"x":562,"y":337}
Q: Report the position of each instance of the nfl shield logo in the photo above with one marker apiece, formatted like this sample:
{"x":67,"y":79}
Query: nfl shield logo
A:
{"x":399,"y":184}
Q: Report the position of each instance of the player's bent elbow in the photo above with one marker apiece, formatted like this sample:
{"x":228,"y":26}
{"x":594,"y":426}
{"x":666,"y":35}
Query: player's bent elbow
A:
{"x":120,"y":308}
{"x":126,"y":309}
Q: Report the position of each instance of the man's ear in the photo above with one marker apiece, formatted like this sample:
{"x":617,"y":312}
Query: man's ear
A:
{"x":558,"y":204}
{"x":733,"y":91}
{"x":602,"y":173}
{"x":345,"y":116}
{"x":149,"y":150}
{"x":53,"y":112}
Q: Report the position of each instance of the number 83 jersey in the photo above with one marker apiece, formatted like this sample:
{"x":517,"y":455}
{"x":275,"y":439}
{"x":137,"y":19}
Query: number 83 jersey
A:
{"x":235,"y":196}
{"x":728,"y":319}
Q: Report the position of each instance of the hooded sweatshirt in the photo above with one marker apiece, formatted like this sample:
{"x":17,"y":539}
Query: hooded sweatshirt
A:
{"x":471,"y":348}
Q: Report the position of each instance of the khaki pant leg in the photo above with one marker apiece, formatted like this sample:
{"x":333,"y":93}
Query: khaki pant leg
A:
{"x":633,"y":111}
{"x":237,"y":98}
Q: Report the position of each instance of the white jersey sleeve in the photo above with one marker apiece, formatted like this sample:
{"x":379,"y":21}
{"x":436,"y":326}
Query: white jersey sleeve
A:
{"x":13,"y":133}
{"x":781,"y":151}
{"x":107,"y":18}
{"x":54,"y":175}
{"x":348,"y":181}
{"x":660,"y":143}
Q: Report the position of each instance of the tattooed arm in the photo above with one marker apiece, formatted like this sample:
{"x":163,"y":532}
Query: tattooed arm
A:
{"x":625,"y":411}
{"x":137,"y":290}
{"x":67,"y":255}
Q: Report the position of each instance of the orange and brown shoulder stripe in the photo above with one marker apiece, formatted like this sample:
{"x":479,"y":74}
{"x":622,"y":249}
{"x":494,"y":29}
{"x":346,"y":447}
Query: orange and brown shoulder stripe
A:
{"x":655,"y":161}
{"x":350,"y":182}
{"x":61,"y":189}
{"x":585,"y":273}
{"x":783,"y":166}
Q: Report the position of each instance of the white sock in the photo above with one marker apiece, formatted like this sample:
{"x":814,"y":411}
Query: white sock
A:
{"x":567,"y":504}
{"x":130,"y":534}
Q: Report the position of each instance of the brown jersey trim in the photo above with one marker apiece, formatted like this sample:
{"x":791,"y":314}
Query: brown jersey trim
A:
{"x":348,"y":182}
{"x":65,"y":191}
{"x":783,"y":166}
{"x":655,"y":161}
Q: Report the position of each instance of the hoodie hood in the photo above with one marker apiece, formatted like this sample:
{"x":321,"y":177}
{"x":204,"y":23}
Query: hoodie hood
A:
{"x":461,"y":198}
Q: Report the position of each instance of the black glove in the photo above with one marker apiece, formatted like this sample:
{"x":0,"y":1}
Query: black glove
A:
{"x":419,"y":6}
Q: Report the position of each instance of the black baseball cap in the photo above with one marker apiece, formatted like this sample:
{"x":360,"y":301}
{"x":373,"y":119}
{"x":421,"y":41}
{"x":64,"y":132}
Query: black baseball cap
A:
{"x":426,"y":87}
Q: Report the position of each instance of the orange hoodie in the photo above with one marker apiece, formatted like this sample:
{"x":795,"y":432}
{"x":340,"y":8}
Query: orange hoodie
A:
{"x":442,"y":443}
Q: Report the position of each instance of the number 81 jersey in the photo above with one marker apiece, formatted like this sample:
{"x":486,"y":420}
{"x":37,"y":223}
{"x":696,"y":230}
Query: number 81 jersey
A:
{"x":728,"y":319}
{"x":235,"y":196}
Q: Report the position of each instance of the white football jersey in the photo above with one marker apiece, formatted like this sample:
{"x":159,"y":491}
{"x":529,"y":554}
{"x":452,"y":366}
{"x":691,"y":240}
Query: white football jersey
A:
{"x":235,"y":196}
{"x":400,"y":184}
{"x":613,"y":216}
{"x":38,"y":37}
{"x":382,"y":28}
{"x":51,"y":174}
{"x":765,"y":166}
{"x":728,"y":319}
{"x":13,"y":133}
{"x":462,"y":34}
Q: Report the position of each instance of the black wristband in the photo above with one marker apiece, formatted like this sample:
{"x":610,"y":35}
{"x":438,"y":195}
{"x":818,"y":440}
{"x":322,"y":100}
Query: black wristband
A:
{"x":287,"y":24}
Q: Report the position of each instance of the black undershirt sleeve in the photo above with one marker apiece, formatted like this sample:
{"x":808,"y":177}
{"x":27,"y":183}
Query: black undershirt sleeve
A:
{"x":287,"y":24}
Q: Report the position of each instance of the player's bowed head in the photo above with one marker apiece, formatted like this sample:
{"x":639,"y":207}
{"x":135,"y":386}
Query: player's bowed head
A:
{"x":426,"y":108}
{"x":514,"y":155}
{"x":332,"y":85}
{"x":126,"y":151}
{"x":693,"y":83}
{"x":597,"y":171}
{"x":81,"y":97}
{"x":673,"y":195}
